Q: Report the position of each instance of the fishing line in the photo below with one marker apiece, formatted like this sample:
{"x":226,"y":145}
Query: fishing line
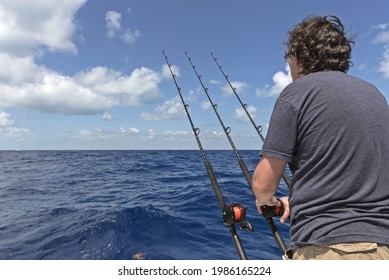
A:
{"x":221,"y":181}
{"x":232,"y":213}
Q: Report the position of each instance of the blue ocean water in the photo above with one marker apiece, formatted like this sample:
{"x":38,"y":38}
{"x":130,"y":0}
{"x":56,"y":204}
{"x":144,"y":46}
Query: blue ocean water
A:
{"x":111,"y":205}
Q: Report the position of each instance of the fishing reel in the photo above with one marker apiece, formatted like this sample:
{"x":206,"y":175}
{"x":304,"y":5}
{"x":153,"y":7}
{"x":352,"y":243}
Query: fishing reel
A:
{"x":236,"y":213}
{"x":270,"y":211}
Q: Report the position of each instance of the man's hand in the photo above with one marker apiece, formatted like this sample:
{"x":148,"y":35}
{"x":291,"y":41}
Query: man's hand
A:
{"x":274,"y":202}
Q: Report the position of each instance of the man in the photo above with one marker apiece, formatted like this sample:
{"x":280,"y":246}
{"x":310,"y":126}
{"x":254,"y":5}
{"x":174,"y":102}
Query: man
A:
{"x":333,"y":130}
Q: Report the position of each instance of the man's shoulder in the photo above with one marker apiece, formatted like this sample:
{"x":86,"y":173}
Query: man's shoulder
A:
{"x":318,"y":82}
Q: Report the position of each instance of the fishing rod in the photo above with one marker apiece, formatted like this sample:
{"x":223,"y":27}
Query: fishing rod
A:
{"x":258,"y":128}
{"x":268,"y":212}
{"x":232,"y":213}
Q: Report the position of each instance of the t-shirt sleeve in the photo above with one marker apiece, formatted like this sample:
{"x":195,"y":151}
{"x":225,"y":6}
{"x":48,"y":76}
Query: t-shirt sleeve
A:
{"x":281,"y":137}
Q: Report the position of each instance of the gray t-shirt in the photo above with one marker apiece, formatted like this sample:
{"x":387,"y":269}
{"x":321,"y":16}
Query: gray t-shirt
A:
{"x":333,"y":129}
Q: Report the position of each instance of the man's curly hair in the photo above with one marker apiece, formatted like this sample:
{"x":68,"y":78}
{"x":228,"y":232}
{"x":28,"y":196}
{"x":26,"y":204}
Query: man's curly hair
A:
{"x":320,"y":44}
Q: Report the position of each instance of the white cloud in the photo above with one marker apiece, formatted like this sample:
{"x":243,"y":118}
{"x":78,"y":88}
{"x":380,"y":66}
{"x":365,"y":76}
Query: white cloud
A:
{"x":49,"y":91}
{"x":151,"y":134}
{"x":99,"y":133}
{"x":215,"y":134}
{"x":192,"y":96}
{"x":14,"y":131}
{"x":130,"y":130}
{"x":239,"y":86}
{"x":384,"y":63}
{"x":178,"y":136}
{"x":19,"y":70}
{"x":131,"y":35}
{"x":106,"y":116}
{"x":28,"y":85}
{"x":114,"y":28}
{"x":84,"y":133}
{"x":280,"y":79}
{"x":113,"y":25}
{"x":5,"y":119}
{"x":241,"y":115}
{"x":170,"y":109}
{"x":30,"y":26}
{"x":166,"y":72}
{"x":383,"y":35}
{"x":140,"y":87}
{"x":214,"y":82}
{"x":6,"y":128}
{"x":383,"y":38}
{"x":177,"y":133}
{"x":205,"y":105}
{"x":133,"y":130}
{"x":362,"y":66}
{"x":382,"y":26}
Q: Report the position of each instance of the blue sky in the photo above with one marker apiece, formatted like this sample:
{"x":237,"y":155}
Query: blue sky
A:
{"x":90,"y":74}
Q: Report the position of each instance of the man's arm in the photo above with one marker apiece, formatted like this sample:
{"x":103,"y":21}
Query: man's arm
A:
{"x":266,"y":179}
{"x":265,"y":182}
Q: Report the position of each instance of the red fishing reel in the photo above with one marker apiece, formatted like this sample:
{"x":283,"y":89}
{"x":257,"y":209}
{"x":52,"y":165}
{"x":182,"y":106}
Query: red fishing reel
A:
{"x":271,"y":211}
{"x":236,"y":213}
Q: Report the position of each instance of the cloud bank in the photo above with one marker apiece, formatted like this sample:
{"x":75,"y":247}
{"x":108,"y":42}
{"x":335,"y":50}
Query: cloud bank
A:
{"x":30,"y":29}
